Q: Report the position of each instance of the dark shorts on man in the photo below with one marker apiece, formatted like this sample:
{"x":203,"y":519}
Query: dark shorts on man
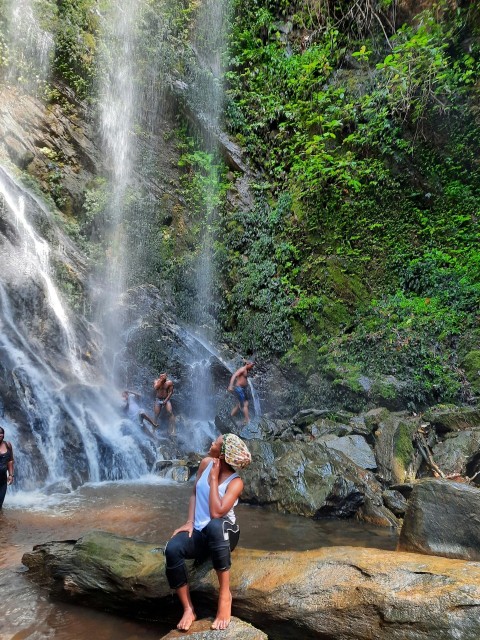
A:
{"x":242,"y":395}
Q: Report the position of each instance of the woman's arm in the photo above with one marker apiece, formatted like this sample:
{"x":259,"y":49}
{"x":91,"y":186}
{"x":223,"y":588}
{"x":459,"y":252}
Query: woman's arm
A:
{"x":10,"y":464}
{"x":221,"y":506}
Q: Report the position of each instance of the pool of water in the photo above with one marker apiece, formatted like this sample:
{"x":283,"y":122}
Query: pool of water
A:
{"x":148,"y":509}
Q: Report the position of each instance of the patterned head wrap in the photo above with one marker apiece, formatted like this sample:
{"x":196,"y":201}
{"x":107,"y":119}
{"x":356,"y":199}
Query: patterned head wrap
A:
{"x":235,"y":451}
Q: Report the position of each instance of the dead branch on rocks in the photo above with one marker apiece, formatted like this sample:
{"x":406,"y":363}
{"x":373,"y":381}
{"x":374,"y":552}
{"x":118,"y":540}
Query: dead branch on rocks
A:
{"x":422,"y":446}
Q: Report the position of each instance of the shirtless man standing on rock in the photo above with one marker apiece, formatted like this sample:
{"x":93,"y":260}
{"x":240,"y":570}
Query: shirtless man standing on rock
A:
{"x":239,"y":386}
{"x":163,"y":392}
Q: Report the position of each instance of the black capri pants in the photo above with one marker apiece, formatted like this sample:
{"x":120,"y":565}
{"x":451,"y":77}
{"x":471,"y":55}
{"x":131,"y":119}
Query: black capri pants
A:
{"x":216,"y":541}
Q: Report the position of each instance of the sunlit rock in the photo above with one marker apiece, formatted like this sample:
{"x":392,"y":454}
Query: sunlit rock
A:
{"x":200,"y":630}
{"x":337,"y":593}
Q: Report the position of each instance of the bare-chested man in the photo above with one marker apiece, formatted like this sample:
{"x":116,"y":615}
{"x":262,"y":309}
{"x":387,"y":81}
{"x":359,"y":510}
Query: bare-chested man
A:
{"x":239,"y":386}
{"x":163,"y":392}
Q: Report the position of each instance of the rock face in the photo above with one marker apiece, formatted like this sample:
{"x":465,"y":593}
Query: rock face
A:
{"x":313,"y":480}
{"x":337,"y":593}
{"x":442,"y":519}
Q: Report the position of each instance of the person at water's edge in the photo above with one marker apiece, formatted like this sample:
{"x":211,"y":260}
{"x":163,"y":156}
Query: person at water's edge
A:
{"x":211,"y":528}
{"x":6,"y":465}
{"x":239,"y":386}
{"x":163,"y":388}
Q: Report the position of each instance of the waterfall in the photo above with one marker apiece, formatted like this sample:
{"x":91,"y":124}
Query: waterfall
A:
{"x":58,"y":376}
{"x":71,"y":427}
{"x":118,"y":98}
{"x":206,"y":93}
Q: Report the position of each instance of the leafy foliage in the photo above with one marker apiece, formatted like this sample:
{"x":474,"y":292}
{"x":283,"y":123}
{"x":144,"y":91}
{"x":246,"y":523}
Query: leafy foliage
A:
{"x":379,"y":162}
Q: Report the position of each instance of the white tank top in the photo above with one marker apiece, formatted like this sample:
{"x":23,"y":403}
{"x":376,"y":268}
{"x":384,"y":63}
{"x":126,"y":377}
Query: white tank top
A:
{"x":202,"y":494}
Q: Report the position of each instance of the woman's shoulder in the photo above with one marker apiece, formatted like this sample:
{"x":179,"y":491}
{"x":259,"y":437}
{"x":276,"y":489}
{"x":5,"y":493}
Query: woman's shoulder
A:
{"x":204,"y":463}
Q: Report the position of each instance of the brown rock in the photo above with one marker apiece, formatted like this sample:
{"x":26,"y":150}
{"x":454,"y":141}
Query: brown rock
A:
{"x":340,"y":593}
{"x":201,"y":630}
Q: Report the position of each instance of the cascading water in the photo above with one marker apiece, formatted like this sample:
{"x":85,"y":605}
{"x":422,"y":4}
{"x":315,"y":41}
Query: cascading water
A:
{"x":119,"y":101}
{"x":66,"y":425}
{"x":72,"y":429}
{"x":60,"y":404}
{"x":206,"y":93}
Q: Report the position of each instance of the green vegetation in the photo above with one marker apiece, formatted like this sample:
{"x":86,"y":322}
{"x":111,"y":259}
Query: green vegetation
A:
{"x":372,"y":134}
{"x":357,"y":258}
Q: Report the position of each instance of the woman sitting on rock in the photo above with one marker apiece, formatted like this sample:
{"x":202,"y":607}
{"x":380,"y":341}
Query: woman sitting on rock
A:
{"x":211,"y":529}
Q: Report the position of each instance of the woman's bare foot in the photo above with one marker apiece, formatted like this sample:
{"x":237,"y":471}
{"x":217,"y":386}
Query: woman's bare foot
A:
{"x":187,"y":619}
{"x":224,"y":612}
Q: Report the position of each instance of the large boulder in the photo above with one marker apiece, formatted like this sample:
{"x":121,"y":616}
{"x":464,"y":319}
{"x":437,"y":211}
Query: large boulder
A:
{"x":340,"y":593}
{"x":457,"y":451}
{"x":313,"y":480}
{"x":445,"y":418}
{"x":442,"y":519}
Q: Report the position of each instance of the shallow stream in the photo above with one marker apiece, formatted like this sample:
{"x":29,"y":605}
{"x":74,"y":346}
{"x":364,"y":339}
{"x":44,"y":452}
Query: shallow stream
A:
{"x":148,"y":509}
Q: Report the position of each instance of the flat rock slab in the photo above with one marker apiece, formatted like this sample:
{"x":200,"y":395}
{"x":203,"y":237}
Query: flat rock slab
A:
{"x":200,"y":630}
{"x":442,"y":519}
{"x":334,"y":593}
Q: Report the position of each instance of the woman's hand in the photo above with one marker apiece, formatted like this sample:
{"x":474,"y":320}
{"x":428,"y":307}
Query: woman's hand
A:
{"x":215,"y":470}
{"x":10,"y":480}
{"x":188,"y":527}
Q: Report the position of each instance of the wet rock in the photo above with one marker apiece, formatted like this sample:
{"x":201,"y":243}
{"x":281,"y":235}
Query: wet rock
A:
{"x":395,"y":501}
{"x":176,"y":470}
{"x":394,"y":449}
{"x":312,"y":480}
{"x":405,"y":488}
{"x":454,"y":454}
{"x":327,"y":427}
{"x":446,"y":419}
{"x":374,"y":417}
{"x":345,"y":592}
{"x":442,"y":519}
{"x":200,"y":630}
{"x":355,"y":448}
{"x":307,"y":416}
{"x":57,"y":487}
{"x":359,"y":427}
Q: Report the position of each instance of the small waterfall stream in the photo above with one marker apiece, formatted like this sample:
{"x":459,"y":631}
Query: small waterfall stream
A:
{"x":119,"y":105}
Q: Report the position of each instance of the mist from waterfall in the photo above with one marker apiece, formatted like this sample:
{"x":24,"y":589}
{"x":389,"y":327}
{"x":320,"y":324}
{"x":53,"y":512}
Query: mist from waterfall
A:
{"x":30,"y":46}
{"x":118,"y":109}
{"x":207,"y":94}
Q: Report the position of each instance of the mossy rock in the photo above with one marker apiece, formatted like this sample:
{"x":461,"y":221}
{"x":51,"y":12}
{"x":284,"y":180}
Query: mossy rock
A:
{"x":403,"y":449}
{"x":471,"y":365}
{"x":453,"y":418}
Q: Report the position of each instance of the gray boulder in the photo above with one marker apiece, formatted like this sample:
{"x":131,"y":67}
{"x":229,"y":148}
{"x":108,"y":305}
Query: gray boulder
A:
{"x":313,"y":480}
{"x":442,"y":519}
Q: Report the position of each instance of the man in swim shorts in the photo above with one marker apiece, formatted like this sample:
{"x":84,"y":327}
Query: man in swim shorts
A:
{"x":163,"y":388}
{"x":239,"y":386}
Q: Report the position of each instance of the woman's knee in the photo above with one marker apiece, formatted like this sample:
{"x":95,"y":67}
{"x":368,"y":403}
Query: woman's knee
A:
{"x":176,"y":548}
{"x":175,"y":554}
